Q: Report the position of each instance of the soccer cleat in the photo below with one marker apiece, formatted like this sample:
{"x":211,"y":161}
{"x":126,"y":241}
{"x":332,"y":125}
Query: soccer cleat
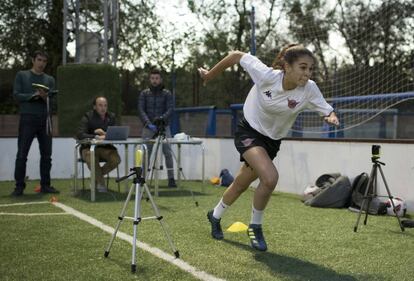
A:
{"x":257,"y":239}
{"x":171,"y":183}
{"x":17,"y":192}
{"x":216,"y":231}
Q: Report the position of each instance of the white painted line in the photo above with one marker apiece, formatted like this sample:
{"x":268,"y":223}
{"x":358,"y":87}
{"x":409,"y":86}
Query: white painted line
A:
{"x":28,"y":214}
{"x":155,"y":251}
{"x":32,"y":214}
{"x":23,"y":204}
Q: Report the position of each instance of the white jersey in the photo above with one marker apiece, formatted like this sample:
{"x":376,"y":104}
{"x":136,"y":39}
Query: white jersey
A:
{"x":268,"y":108}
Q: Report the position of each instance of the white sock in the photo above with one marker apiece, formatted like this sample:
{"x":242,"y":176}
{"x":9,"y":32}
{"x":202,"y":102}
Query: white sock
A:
{"x":219,"y":209}
{"x":257,"y":216}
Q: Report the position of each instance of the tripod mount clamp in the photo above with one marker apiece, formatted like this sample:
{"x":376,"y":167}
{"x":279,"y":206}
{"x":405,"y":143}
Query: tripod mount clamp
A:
{"x":375,"y":160}
{"x":137,"y":171}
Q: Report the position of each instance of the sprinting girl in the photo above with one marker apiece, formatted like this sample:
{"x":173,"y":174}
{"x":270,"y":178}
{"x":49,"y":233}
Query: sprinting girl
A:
{"x":279,"y":94}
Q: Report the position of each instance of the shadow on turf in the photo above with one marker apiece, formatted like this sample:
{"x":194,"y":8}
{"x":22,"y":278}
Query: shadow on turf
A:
{"x":141,"y":271}
{"x":120,"y":196}
{"x":114,"y":196}
{"x":377,"y":230}
{"x":298,"y":269}
{"x":30,"y":197}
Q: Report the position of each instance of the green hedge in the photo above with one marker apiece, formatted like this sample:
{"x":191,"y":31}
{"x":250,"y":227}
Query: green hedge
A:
{"x":78,"y":84}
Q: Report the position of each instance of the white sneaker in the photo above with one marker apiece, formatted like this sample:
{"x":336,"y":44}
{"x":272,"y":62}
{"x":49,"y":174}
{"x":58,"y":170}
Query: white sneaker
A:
{"x":101,"y":188}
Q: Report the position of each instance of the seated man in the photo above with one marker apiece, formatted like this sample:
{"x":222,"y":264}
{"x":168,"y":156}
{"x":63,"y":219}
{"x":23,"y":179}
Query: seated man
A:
{"x":93,"y":125}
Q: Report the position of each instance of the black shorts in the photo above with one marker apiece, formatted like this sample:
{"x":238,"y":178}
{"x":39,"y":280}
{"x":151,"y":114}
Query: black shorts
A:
{"x":246,"y":137}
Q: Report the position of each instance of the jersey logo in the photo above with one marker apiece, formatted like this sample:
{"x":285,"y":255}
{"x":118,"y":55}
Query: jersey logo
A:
{"x":247,"y":142}
{"x":292,"y":103}
{"x":268,"y":93}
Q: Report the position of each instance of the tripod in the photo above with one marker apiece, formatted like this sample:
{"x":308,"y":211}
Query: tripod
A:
{"x":160,"y":138}
{"x":140,"y":187}
{"x":371,"y":192}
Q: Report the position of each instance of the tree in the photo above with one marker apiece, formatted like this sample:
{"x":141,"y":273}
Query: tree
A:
{"x":228,"y":28}
{"x":379,"y":37}
{"x":139,"y":35}
{"x":309,"y":24}
{"x":376,"y":32}
{"x":29,"y":25}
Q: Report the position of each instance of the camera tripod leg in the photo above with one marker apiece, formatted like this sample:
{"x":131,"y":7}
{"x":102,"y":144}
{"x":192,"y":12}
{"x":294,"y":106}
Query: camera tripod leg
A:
{"x":372,"y":191}
{"x":390,"y":197}
{"x":160,"y":219}
{"x":136,"y":221}
{"x":359,"y":214}
{"x":365,"y":203}
{"x":366,"y":211}
{"x":120,"y":219}
{"x":155,"y":156}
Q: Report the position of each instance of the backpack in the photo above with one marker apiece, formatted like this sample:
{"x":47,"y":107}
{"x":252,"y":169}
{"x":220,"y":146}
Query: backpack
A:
{"x":331,"y":191}
{"x":359,"y":187}
{"x":226,"y":177}
{"x":407,"y":223}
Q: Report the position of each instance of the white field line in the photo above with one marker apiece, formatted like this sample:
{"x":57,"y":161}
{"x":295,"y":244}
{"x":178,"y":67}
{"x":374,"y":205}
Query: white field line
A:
{"x":28,"y":214}
{"x":32,"y":214}
{"x":22,"y":204}
{"x":155,"y":251}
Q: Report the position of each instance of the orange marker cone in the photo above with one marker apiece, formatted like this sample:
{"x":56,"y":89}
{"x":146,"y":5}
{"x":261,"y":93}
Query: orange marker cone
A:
{"x":37,"y":188}
{"x":53,"y":199}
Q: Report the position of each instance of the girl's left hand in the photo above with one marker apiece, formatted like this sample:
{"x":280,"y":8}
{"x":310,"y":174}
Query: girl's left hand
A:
{"x":332,"y":119}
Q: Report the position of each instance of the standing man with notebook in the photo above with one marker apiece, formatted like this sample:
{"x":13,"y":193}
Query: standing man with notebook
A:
{"x":155,"y":106}
{"x":94,"y":125}
{"x":34,"y":121}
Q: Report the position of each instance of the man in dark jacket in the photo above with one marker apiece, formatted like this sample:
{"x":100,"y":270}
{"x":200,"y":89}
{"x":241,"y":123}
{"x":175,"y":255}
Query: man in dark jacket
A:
{"x":94,"y":125}
{"x":155,"y":106}
{"x":31,"y":90}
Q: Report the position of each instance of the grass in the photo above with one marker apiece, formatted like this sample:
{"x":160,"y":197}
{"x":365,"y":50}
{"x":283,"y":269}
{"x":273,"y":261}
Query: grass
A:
{"x":304,"y":243}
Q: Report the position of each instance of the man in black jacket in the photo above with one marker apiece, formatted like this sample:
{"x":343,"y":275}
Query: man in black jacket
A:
{"x":31,"y":90}
{"x":155,"y":106}
{"x":94,"y":125}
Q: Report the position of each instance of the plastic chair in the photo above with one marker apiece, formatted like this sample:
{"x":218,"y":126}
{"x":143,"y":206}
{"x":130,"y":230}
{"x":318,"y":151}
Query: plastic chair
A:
{"x":82,"y":162}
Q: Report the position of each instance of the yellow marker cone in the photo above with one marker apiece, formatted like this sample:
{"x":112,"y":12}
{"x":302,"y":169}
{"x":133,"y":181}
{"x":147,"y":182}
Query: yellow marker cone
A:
{"x":237,"y":227}
{"x":215,"y":180}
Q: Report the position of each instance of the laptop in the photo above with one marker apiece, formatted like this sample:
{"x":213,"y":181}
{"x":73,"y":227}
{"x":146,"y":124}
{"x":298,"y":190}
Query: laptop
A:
{"x":117,"y":133}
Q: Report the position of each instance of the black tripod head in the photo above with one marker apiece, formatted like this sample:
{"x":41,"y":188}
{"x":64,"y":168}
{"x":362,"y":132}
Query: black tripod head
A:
{"x":161,"y":124}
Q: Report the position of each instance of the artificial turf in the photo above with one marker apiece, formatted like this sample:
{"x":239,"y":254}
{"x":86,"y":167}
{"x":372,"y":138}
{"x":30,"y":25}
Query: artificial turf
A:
{"x":304,"y":243}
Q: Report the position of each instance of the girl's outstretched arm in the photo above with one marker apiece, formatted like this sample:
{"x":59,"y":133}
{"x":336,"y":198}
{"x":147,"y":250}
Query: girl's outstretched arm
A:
{"x":231,"y":59}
